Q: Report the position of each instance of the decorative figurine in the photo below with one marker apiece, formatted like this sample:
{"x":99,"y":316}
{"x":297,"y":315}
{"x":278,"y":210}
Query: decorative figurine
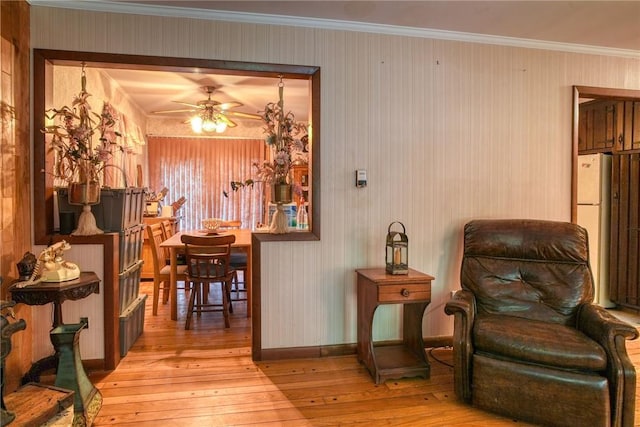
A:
{"x":26,"y":265}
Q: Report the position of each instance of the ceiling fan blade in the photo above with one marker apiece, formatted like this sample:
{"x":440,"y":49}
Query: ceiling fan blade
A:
{"x":190,"y":110}
{"x":230,"y":123}
{"x":228,"y":105}
{"x":226,"y":119}
{"x":187,"y":104}
{"x":244,"y":115}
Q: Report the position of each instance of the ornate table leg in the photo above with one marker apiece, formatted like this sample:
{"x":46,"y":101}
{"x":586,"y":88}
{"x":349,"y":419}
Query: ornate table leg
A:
{"x":47,"y":363}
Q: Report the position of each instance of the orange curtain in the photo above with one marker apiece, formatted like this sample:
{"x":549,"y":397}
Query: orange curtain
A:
{"x":201,"y":169}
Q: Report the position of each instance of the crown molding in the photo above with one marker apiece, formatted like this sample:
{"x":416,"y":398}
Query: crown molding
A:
{"x":329,"y":24}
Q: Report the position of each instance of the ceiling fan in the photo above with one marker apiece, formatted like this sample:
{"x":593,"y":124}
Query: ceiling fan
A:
{"x":211,"y":115}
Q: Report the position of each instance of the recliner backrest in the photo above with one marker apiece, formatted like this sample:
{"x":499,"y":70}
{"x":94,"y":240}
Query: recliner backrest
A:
{"x":527,"y":268}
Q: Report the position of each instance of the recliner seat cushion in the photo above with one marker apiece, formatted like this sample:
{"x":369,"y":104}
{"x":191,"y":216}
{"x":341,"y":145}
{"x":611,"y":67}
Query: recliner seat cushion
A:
{"x":537,"y":342}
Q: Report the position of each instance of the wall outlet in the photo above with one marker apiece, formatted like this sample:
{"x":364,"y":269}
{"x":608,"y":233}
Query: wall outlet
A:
{"x":85,"y":320}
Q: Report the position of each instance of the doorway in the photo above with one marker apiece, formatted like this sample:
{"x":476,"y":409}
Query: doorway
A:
{"x":619,"y":131}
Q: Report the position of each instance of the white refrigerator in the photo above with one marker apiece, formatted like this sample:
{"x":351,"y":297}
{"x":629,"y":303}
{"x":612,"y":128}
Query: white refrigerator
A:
{"x":594,"y":214}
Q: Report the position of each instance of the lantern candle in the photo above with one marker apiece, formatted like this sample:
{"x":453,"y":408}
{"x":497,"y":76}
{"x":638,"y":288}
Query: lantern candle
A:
{"x":396,"y":255}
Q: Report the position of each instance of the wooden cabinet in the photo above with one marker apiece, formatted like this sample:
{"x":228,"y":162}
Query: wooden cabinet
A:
{"x":606,"y":126}
{"x":413,"y":291}
{"x":624,"y":269}
{"x":613,"y":126}
{"x":597,"y":126}
{"x":301,"y":177}
{"x":147,"y":258}
{"x":628,"y":125}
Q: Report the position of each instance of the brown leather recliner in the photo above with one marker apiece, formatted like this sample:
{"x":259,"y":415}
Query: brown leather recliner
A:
{"x":528,"y":343}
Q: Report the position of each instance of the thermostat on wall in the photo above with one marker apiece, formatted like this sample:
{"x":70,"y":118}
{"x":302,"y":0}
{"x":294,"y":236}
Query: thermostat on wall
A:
{"x":361,"y":178}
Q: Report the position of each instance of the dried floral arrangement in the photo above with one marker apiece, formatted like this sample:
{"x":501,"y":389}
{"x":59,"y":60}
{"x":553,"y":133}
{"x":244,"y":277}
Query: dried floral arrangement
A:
{"x":284,"y":136}
{"x":77,"y":156}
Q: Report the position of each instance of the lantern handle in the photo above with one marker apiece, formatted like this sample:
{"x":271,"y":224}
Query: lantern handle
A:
{"x":404,"y":231}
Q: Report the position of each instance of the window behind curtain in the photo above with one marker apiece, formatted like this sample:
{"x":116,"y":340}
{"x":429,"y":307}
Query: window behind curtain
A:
{"x":200,"y":169}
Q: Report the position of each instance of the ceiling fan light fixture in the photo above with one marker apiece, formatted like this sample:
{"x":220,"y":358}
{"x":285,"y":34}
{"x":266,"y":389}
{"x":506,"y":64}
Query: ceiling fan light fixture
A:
{"x":196,"y":124}
{"x":208,"y":125}
{"x":221,"y":127}
{"x":208,"y":122}
{"x":211,"y":115}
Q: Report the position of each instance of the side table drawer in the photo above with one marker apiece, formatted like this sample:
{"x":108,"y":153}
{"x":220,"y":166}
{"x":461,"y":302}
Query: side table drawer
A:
{"x":402,"y":293}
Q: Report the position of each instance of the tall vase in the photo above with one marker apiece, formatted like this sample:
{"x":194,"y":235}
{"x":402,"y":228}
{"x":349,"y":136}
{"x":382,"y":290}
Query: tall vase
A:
{"x":280,"y":195}
{"x":85,"y":194}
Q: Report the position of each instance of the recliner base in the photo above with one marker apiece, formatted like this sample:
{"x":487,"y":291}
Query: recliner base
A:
{"x":540,"y":395}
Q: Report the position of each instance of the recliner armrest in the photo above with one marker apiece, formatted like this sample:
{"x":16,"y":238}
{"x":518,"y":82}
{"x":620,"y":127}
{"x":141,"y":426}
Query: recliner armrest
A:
{"x":612,"y":333}
{"x":602,"y":326}
{"x":462,"y":301}
{"x":463,"y":306}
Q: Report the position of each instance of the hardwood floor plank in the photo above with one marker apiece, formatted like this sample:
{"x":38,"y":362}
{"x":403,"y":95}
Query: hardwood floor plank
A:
{"x":205,"y":377}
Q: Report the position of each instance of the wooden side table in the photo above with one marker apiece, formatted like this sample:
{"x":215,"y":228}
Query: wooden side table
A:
{"x":413,"y":291}
{"x":58,"y":292}
{"x":65,"y":337}
{"x":54,"y":292}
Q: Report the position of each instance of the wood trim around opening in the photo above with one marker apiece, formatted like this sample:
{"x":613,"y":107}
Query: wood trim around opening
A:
{"x":43,"y":188}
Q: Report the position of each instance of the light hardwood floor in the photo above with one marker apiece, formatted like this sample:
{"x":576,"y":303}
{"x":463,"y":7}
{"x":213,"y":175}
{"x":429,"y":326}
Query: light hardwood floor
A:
{"x":205,"y":377}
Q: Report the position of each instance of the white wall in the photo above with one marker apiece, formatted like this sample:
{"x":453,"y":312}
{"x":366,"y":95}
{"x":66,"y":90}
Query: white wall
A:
{"x":448,"y":131}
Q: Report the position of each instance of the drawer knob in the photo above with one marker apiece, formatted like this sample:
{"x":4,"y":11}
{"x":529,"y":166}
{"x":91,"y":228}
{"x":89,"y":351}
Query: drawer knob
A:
{"x":404,"y":292}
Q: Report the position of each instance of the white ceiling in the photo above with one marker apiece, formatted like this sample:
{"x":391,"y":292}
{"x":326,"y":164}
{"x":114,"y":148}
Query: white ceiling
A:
{"x":607,"y":27}
{"x":614,"y":24}
{"x":158,"y":90}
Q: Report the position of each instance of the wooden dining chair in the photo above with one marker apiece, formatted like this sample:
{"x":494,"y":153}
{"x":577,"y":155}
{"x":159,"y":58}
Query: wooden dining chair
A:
{"x":161,"y":270}
{"x":167,"y":231}
{"x":208,"y":262}
{"x":238,"y":263}
{"x":167,"y":228}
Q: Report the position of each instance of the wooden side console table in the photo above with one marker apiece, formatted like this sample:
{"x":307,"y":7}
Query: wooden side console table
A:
{"x":413,"y":291}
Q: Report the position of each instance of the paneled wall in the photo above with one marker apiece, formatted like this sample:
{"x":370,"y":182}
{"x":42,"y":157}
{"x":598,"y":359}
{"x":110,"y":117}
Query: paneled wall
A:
{"x":15,"y":166}
{"x":447,"y":131}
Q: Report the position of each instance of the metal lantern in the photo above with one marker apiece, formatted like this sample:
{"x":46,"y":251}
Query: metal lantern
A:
{"x":397,"y":257}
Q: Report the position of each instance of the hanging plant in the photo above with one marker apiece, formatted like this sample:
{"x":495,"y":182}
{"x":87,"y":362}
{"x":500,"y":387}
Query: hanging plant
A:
{"x":81,"y":140}
{"x":283,"y":136}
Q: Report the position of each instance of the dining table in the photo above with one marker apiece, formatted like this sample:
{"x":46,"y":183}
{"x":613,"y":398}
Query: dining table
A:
{"x":175,"y":246}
